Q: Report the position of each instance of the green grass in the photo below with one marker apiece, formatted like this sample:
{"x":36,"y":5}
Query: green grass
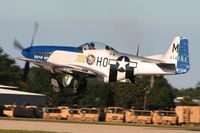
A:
{"x":22,"y":131}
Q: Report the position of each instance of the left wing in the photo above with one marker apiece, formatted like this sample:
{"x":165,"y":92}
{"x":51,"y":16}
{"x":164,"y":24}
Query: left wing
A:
{"x":72,"y":69}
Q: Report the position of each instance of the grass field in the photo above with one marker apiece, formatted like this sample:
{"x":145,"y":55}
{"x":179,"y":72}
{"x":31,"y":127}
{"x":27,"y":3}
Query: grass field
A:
{"x":22,"y":131}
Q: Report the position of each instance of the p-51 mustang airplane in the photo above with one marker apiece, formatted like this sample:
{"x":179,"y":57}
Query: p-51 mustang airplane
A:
{"x":101,"y":61}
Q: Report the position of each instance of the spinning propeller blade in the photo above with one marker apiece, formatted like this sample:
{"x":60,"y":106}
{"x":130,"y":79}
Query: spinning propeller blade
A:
{"x":19,"y":46}
{"x":34,"y":33}
{"x":138,"y":50}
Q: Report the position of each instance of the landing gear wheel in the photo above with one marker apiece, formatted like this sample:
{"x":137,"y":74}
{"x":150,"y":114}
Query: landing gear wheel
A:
{"x":75,"y":86}
{"x":66,"y":80}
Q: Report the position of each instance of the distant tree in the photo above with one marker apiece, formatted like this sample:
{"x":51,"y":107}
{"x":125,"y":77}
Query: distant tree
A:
{"x":161,"y":95}
{"x":197,"y":91}
{"x":97,"y":95}
{"x":188,"y":94}
{"x":10,"y":73}
{"x":187,"y":101}
{"x":130,"y":95}
{"x":193,"y":93}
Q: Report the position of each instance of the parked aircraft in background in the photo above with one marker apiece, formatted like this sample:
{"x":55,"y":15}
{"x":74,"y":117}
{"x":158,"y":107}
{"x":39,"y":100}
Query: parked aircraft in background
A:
{"x":98,"y":60}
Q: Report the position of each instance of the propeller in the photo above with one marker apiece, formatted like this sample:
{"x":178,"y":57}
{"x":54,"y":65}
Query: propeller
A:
{"x":34,"y":33}
{"x":19,"y":46}
{"x":138,"y":49}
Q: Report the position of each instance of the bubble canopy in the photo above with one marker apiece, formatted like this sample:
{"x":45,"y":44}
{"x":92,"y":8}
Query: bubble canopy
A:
{"x":95,"y":46}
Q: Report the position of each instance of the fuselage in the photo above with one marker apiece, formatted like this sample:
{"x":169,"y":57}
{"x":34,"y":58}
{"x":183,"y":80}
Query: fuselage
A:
{"x":112,"y":65}
{"x":100,"y":61}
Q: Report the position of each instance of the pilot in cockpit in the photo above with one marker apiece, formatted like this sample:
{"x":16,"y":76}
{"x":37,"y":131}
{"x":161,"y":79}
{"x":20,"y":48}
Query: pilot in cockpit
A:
{"x":91,"y":46}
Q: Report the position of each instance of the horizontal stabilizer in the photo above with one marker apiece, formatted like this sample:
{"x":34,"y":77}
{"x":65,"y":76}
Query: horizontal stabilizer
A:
{"x":167,"y":67}
{"x":177,"y":54}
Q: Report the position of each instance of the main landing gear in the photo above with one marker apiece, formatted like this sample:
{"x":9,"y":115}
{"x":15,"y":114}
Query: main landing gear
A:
{"x":76,"y":83}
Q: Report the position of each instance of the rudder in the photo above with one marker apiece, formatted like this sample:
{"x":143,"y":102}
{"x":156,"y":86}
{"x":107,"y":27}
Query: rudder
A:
{"x":183,"y":63}
{"x":178,"y":53}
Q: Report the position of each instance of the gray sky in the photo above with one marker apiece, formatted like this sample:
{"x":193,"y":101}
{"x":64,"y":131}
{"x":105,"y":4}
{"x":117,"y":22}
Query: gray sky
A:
{"x":120,"y":23}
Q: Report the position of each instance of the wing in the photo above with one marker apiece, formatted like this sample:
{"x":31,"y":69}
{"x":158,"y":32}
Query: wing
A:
{"x":72,"y":69}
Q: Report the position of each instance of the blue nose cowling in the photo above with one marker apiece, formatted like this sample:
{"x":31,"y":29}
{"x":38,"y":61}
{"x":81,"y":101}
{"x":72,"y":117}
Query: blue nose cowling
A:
{"x":26,"y":52}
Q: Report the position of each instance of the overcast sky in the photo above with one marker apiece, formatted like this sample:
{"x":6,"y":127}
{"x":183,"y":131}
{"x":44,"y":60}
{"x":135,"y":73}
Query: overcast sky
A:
{"x":123,"y":24}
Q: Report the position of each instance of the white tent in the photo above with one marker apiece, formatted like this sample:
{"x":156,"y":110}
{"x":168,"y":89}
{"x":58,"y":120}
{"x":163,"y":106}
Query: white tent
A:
{"x":9,"y":96}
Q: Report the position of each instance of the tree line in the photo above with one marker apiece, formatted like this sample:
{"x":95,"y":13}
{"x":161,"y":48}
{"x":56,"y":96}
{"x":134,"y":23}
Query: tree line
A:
{"x":98,"y":94}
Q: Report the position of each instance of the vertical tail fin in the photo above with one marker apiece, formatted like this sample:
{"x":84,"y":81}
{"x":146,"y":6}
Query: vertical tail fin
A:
{"x":178,"y":53}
